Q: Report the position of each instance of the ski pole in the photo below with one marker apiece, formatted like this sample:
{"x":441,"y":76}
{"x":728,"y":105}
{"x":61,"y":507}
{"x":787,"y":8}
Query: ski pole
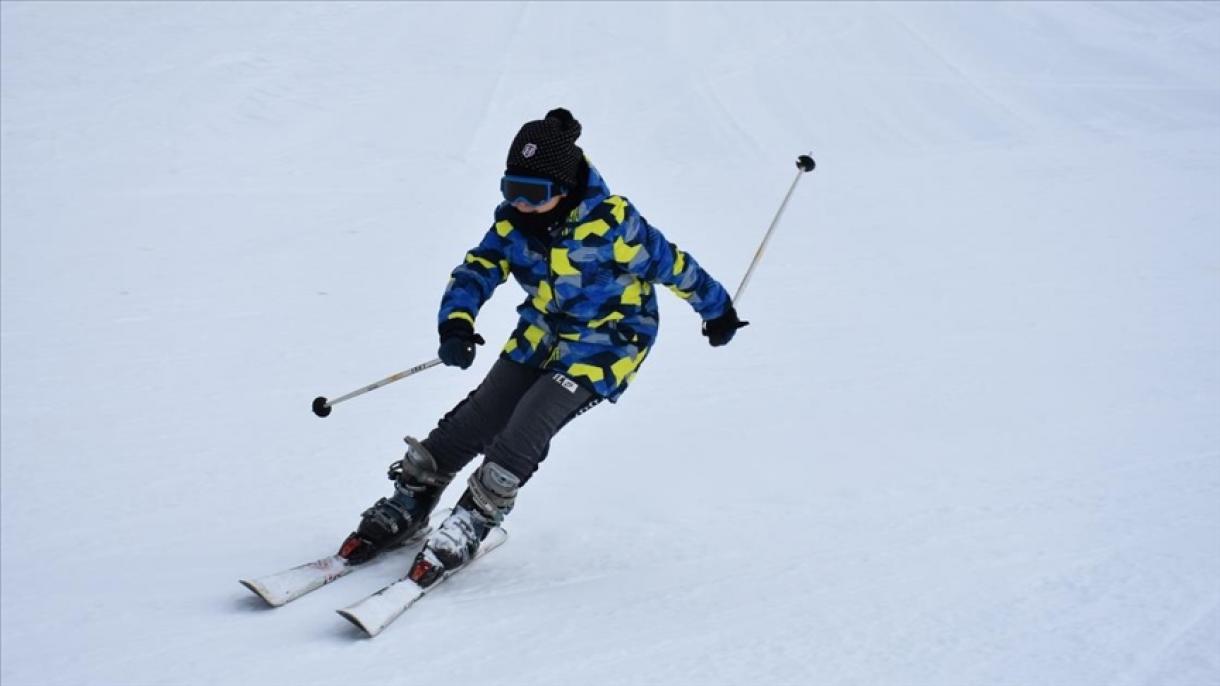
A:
{"x":804,"y":164}
{"x":321,"y":406}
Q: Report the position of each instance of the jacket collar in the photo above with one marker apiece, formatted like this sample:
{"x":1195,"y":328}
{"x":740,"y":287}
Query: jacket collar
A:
{"x":596,"y":192}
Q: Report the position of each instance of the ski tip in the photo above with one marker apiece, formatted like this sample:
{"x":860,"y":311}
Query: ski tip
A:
{"x":356,"y":620}
{"x":258,"y":590}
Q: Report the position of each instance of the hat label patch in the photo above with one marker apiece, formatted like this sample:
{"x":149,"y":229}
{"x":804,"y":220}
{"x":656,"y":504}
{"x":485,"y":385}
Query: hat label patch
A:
{"x":529,"y":150}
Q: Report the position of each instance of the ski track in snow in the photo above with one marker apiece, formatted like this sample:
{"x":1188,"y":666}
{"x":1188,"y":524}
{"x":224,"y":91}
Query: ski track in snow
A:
{"x":972,"y":435}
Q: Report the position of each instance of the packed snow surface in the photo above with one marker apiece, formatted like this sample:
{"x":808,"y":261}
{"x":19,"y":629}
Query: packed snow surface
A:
{"x":971,"y":435}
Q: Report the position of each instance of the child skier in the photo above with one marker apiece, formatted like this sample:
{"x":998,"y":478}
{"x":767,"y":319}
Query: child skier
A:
{"x":587,"y":260}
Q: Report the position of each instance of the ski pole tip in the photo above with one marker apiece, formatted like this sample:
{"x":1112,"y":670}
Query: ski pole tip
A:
{"x":321,"y":407}
{"x":805,"y":163}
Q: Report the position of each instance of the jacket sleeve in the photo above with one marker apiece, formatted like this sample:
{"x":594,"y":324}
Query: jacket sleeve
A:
{"x":472,"y":282}
{"x":643,"y":250}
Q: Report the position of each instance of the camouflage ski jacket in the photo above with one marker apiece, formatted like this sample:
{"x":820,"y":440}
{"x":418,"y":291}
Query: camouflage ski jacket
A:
{"x":591,"y":310}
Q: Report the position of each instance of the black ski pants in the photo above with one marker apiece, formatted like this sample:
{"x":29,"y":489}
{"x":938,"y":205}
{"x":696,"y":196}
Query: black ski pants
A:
{"x":510,"y":418}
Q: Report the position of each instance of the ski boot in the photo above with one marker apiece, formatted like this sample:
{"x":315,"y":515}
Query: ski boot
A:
{"x":392,"y":521}
{"x":489,"y":497}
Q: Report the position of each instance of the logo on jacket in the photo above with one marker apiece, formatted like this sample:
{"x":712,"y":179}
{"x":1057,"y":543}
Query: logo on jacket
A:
{"x":567,"y":383}
{"x":529,"y":150}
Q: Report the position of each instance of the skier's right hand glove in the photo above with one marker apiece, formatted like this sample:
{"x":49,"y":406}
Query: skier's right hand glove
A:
{"x":720,"y":331}
{"x":458,"y":341}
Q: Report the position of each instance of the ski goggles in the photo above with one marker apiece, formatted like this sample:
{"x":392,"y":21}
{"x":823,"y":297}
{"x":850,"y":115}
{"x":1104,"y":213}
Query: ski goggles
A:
{"x":529,"y":189}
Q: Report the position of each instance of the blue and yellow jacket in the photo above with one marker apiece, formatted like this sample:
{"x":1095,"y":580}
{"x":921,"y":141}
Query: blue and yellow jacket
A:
{"x":591,"y":311}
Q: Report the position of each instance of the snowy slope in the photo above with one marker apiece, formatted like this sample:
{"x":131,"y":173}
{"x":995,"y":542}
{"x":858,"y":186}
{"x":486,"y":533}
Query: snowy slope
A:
{"x":972,"y":435}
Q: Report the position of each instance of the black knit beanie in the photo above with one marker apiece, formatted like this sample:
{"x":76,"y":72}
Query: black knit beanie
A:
{"x":547,"y":148}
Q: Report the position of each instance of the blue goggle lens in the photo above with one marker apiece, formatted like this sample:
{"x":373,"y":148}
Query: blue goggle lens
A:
{"x":528,"y":189}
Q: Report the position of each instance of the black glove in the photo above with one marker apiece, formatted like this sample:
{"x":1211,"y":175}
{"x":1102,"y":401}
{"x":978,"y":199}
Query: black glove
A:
{"x":720,"y":330}
{"x":458,"y":340}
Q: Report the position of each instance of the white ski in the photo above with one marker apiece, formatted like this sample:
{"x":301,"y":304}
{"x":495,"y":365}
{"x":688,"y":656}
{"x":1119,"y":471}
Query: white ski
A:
{"x":377,"y":611}
{"x":290,"y":584}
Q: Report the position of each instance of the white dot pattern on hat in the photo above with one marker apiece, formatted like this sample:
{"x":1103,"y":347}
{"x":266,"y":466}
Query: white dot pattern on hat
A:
{"x":552,"y":151}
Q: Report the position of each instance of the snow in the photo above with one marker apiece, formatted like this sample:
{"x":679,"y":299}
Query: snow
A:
{"x":971,"y":436}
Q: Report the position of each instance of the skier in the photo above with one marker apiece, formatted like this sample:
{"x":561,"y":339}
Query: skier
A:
{"x":587,"y":260}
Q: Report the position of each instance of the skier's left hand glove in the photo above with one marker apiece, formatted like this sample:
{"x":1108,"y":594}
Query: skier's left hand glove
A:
{"x":458,"y":341}
{"x":720,"y":331}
